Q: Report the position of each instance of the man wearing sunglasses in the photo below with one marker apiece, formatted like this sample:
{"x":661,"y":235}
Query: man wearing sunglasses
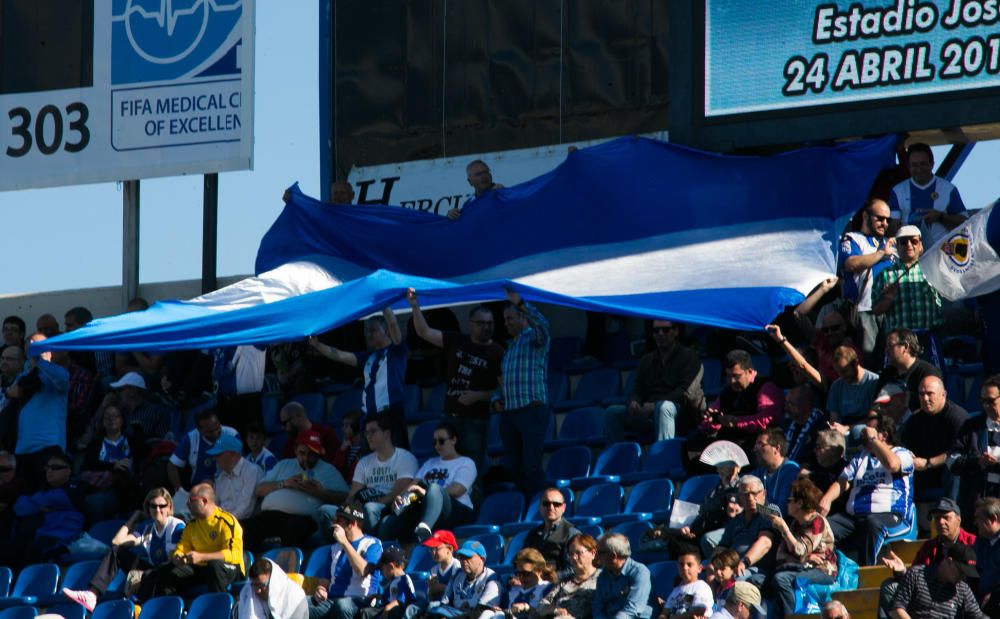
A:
{"x":902,"y":293}
{"x":863,"y":255}
{"x":667,"y":383}
{"x":551,"y":538}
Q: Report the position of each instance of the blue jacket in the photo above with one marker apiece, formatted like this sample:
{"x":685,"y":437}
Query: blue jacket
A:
{"x":625,"y":596}
{"x":62,"y":520}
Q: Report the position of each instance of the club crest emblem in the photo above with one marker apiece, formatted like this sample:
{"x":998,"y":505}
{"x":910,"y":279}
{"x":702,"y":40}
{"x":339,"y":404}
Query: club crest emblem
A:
{"x":958,"y":250}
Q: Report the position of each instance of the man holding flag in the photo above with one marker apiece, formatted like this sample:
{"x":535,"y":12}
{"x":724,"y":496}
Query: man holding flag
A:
{"x":901,"y":291}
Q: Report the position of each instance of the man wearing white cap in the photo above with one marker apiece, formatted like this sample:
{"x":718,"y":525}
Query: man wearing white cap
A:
{"x":144,"y":419}
{"x":901,"y":291}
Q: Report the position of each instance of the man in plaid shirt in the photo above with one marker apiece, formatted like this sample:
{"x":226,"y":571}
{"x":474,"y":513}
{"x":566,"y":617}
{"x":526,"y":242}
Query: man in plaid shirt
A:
{"x":522,"y":400}
{"x":902,"y":293}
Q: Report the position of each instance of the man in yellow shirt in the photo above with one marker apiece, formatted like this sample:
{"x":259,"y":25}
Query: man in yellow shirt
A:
{"x":210,"y":552}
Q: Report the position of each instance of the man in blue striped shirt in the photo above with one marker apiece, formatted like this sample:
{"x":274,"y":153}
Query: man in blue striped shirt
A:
{"x":522,"y":399}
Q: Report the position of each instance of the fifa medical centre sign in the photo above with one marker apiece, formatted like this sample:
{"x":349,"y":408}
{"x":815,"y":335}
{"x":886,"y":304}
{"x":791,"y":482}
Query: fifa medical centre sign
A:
{"x":160,"y":88}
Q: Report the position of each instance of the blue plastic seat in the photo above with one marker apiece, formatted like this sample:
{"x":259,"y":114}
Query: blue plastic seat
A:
{"x":19,"y":612}
{"x":411,"y":403}
{"x":344,"y":403}
{"x":558,"y":385}
{"x":165,"y":607}
{"x":314,"y":403}
{"x":211,"y":606}
{"x":583,"y":426}
{"x":33,"y":582}
{"x":634,"y":532}
{"x":648,"y":500}
{"x":593,"y":530}
{"x":514,"y":546}
{"x":593,"y":387}
{"x":76,"y":577}
{"x":422,"y":442}
{"x":319,"y":562}
{"x":712,"y":381}
{"x":114,"y":609}
{"x":421,"y":586}
{"x":496,"y":509}
{"x":663,"y":459}
{"x":421,"y":560}
{"x":493,"y":543}
{"x":562,"y":351}
{"x":627,"y":388}
{"x":503,"y":571}
{"x":695,"y":489}
{"x":103,"y":531}
{"x":663,"y":575}
{"x":6,"y":577}
{"x":67,"y":610}
{"x":270,"y":406}
{"x":494,"y":444}
{"x":596,"y":502}
{"x":567,"y":463}
{"x":615,"y":461}
{"x":288,"y":558}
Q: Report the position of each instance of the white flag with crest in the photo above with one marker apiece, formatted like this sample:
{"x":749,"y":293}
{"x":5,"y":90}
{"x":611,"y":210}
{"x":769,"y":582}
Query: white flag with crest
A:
{"x":962,"y":263}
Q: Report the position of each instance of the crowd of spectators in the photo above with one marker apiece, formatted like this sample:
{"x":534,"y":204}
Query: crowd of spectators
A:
{"x":847,"y":438}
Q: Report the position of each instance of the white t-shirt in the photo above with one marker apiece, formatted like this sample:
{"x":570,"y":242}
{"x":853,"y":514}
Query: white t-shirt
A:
{"x":295,"y":501}
{"x":444,"y":473}
{"x":686,"y":597}
{"x":378,"y":477}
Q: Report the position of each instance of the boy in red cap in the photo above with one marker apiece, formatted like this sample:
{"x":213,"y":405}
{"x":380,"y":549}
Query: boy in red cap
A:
{"x":443,"y":545}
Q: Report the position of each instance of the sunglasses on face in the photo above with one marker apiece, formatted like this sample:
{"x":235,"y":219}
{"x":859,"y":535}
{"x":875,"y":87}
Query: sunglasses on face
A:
{"x":552,"y":503}
{"x":523,"y":575}
{"x":910,"y":240}
{"x":878,"y":217}
{"x":158,"y":506}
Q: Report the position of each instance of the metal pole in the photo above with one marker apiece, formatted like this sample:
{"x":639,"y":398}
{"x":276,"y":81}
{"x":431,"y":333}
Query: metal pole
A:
{"x":209,"y":233}
{"x":130,"y":241}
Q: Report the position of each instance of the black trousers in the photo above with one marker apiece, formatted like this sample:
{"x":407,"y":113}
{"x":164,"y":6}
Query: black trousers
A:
{"x":170,"y":579}
{"x":114,"y":561}
{"x":293,"y":530}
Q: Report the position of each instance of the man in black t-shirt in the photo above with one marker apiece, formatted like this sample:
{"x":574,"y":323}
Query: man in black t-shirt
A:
{"x":471,"y":374}
{"x":902,"y":348}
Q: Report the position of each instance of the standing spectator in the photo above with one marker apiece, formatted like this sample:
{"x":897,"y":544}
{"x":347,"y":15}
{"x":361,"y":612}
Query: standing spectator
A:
{"x":776,"y":471}
{"x":575,"y":593}
{"x":667,"y":384}
{"x":748,"y":403}
{"x":293,"y":492}
{"x":14,"y":330}
{"x":880,"y":480}
{"x":522,"y":399}
{"x":80,"y":393}
{"x":851,"y":395}
{"x":210,"y":552}
{"x":353,"y":575}
{"x":235,"y":478}
{"x":863,"y":255}
{"x":238,"y":377}
{"x":145,"y":420}
{"x":473,"y":369}
{"x":295,"y":420}
{"x":975,"y":456}
{"x":271,"y":594}
{"x":443,"y":546}
{"x":192,"y":450}
{"x":902,"y":293}
{"x":902,"y":349}
{"x":939,"y":589}
{"x":931,"y":433}
{"x":472,"y":592}
{"x":926,"y":200}
{"x":48,"y":325}
{"x":623,"y":587}
{"x":480,"y":179}
{"x":258,"y":454}
{"x":440,"y":495}
{"x":551,"y":538}
{"x":11,"y":364}
{"x":384,"y":369}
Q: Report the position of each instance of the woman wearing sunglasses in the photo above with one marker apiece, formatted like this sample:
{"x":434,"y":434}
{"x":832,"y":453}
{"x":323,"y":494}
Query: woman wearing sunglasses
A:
{"x":154,"y":530}
{"x":531,"y":582}
{"x":439,"y":498}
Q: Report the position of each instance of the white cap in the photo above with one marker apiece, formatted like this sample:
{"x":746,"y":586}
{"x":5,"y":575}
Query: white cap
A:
{"x":908,"y":231}
{"x":132,"y":379}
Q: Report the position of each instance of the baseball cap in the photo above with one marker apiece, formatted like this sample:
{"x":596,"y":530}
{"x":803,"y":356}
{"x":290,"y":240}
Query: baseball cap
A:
{"x":748,"y":594}
{"x":131,"y":379}
{"x":350,"y":512}
{"x":947,"y":505}
{"x":471,"y":547}
{"x":965,"y":559}
{"x":392,"y":554}
{"x":311,"y":439}
{"x":908,"y":231}
{"x":441,"y":536}
{"x":226,"y":442}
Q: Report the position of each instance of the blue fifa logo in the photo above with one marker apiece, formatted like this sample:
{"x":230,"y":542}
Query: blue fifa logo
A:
{"x":165,"y":40}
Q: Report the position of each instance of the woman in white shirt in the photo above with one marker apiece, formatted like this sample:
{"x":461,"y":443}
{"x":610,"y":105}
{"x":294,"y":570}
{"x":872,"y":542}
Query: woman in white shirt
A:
{"x":439,"y":499}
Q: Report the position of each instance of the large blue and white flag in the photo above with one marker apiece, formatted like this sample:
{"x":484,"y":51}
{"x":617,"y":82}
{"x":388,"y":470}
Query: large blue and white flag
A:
{"x":633,"y":226}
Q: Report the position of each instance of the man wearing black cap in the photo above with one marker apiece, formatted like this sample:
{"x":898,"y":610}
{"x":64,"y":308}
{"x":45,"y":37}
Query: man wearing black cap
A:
{"x":939,"y":590}
{"x":353,"y":575}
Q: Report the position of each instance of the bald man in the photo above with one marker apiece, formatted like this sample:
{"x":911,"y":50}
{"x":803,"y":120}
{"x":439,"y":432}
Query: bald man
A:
{"x":931,"y":431}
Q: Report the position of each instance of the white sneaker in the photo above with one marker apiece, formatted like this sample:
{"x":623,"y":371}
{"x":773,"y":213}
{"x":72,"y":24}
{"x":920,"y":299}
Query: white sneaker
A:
{"x":423,"y":532}
{"x":87,"y":599}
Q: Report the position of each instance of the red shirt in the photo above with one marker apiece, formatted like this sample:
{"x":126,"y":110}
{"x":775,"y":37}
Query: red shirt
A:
{"x":932,"y":547}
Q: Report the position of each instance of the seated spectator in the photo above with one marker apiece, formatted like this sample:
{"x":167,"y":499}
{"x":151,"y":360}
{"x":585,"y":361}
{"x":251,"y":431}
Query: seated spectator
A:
{"x":851,"y":395}
{"x":722,"y":575}
{"x":271,"y":593}
{"x":210,"y":552}
{"x":931,"y":433}
{"x":902,"y":349}
{"x":713,"y":514}
{"x":926,"y":591}
{"x":776,"y":471}
{"x":805,"y":549}
{"x":573,"y":596}
{"x":191,"y":452}
{"x":292,"y":494}
{"x":551,"y":538}
{"x":11,"y":487}
{"x":834,"y":610}
{"x":440,"y":496}
{"x":893,"y":400}
{"x":623,"y":586}
{"x":353,"y":575}
{"x":81,"y":391}
{"x":474,"y":592}
{"x":398,"y":594}
{"x":443,"y":546}
{"x":743,"y":601}
{"x":259,"y":455}
{"x":144,"y":419}
{"x":975,"y":456}
{"x":829,"y":460}
{"x":383,"y":388}
{"x":988,"y":554}
{"x":349,"y":451}
{"x":380,"y":476}
{"x":743,"y":532}
{"x":880,"y":481}
{"x":947,"y":519}
{"x":692,"y":596}
{"x":235,"y":478}
{"x":802,"y":421}
{"x":295,"y":421}
{"x":748,"y":403}
{"x":108,"y":466}
{"x":667,"y":390}
{"x":147,"y":539}
{"x":48,"y":521}
{"x":532,"y":580}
